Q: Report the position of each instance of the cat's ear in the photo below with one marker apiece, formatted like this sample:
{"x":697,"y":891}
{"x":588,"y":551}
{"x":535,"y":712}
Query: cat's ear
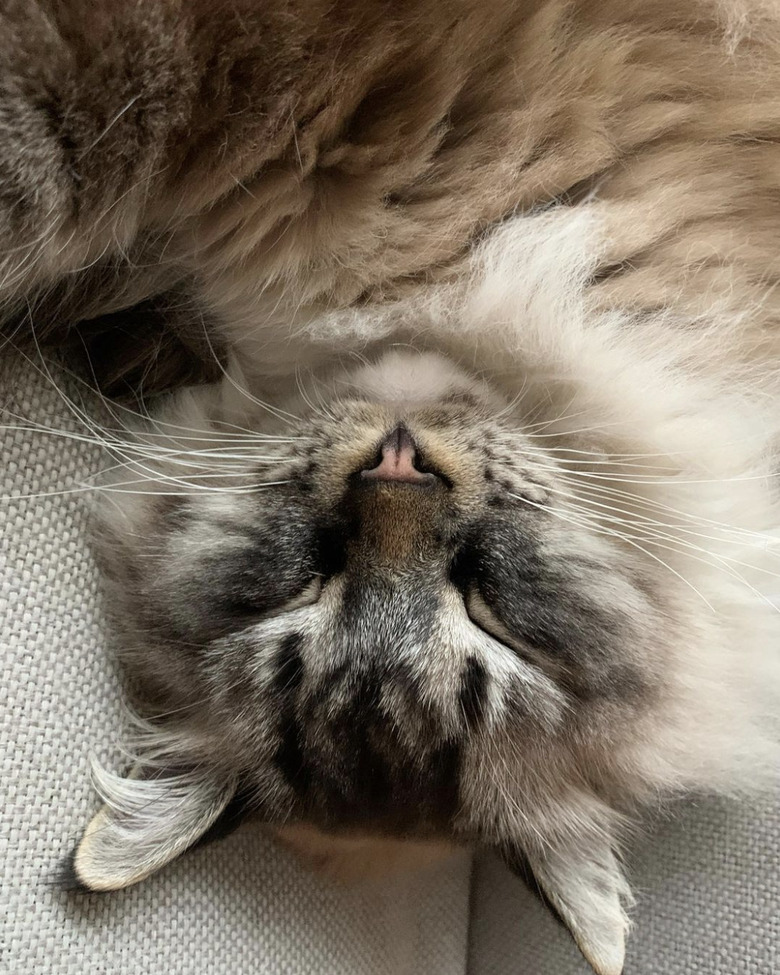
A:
{"x":147,"y":820}
{"x":582,"y":883}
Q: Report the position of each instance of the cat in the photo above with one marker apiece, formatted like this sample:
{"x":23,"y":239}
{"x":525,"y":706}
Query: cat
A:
{"x":390,"y":607}
{"x":507,"y":580}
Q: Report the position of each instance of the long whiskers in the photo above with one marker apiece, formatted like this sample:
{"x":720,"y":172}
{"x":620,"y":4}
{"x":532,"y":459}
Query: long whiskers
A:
{"x":154,"y":451}
{"x":593,"y":526}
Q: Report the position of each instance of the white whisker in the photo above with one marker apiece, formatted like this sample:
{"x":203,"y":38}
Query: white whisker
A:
{"x":610,"y":532}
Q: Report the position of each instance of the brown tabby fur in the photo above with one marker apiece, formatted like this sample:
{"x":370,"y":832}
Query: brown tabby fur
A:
{"x":268,"y":156}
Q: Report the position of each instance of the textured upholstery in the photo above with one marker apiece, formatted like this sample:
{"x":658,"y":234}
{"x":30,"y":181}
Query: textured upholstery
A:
{"x":236,"y":907}
{"x":708,"y":903}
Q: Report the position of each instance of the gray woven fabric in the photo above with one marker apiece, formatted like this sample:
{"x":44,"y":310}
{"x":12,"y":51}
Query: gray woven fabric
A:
{"x":240,"y":906}
{"x":708,"y":903}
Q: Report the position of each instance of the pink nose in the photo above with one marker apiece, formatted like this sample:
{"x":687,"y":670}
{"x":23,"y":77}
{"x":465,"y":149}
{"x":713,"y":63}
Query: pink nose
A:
{"x":397,"y":464}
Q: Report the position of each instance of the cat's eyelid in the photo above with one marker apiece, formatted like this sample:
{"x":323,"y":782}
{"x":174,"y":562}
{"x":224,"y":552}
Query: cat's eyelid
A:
{"x":308,"y":596}
{"x":305,"y":597}
{"x":483,"y":616}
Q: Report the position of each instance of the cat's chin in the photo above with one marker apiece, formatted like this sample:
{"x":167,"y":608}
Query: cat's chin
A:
{"x":355,"y":857}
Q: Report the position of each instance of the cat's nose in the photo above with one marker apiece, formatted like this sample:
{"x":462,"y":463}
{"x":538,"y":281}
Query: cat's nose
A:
{"x":400,"y":462}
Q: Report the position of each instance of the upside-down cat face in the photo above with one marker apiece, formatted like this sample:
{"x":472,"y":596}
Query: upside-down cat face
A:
{"x":381,"y":620}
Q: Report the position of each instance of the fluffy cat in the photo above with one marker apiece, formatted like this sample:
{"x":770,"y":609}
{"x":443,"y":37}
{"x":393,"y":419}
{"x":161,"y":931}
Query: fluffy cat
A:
{"x":404,"y":603}
{"x":502,"y":587}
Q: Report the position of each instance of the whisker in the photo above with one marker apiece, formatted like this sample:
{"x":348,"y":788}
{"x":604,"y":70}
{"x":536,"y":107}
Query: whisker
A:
{"x":651,"y":536}
{"x":588,"y":493}
{"x":613,"y":534}
{"x":600,"y":490}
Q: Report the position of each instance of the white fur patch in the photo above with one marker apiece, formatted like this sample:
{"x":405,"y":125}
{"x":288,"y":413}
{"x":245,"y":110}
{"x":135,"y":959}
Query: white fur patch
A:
{"x":412,"y":377}
{"x":147,"y":822}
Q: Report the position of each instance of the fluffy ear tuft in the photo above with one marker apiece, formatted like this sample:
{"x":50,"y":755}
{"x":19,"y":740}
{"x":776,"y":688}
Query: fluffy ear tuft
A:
{"x":582,"y":883}
{"x":148,"y":819}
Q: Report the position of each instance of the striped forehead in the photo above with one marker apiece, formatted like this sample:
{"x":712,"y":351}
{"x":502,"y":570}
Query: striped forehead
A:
{"x":404,"y":638}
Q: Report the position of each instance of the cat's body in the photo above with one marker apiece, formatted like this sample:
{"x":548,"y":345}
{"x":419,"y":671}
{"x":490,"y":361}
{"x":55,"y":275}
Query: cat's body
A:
{"x":270,"y":160}
{"x":578,"y":202}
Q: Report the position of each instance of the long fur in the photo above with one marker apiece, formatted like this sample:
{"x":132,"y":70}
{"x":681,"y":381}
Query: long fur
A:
{"x":576,"y":202}
{"x":664,"y":447}
{"x":235,"y":151}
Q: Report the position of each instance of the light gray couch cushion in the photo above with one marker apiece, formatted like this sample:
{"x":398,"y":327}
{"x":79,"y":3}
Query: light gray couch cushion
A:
{"x":708,"y":903}
{"x":240,"y":906}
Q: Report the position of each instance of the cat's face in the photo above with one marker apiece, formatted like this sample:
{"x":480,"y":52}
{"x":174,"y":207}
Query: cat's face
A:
{"x":391,"y":624}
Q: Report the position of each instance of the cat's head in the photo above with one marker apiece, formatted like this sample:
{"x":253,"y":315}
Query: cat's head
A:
{"x":384,"y":614}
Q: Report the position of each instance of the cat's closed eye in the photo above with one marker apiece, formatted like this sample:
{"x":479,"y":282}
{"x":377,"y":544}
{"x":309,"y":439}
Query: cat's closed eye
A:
{"x":483,"y":616}
{"x":259,"y":609}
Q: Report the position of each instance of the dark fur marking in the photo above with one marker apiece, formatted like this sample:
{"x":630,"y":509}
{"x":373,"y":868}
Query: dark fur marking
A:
{"x":465,"y":566}
{"x":461,"y":398}
{"x":367,"y":775}
{"x":473,"y":692}
{"x":359,"y":769}
{"x":444,"y":786}
{"x":405,"y":678}
{"x":51,"y":108}
{"x":66,"y":877}
{"x":331,"y":547}
{"x":234,"y":814}
{"x":326,"y":685}
{"x":289,"y":756}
